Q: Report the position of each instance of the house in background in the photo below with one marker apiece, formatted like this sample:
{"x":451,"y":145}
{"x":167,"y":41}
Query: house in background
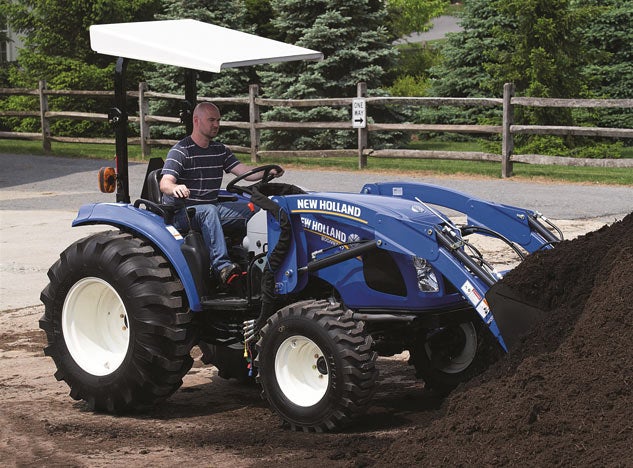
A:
{"x":10,"y":43}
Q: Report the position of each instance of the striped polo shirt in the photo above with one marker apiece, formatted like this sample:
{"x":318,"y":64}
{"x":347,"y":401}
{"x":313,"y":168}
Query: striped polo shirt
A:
{"x":200,"y":169}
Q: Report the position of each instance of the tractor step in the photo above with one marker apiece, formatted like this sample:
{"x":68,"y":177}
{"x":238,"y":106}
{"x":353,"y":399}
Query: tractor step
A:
{"x":231,"y":303}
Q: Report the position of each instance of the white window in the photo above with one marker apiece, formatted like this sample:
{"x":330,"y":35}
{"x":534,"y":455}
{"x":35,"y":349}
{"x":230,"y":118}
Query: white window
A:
{"x":9,"y":42}
{"x":4,"y":34}
{"x":3,"y":52}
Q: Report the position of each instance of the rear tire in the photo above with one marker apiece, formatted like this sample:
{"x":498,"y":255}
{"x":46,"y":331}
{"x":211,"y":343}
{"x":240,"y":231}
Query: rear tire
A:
{"x":316,"y":366}
{"x":117,"y":323}
{"x":448,"y":356}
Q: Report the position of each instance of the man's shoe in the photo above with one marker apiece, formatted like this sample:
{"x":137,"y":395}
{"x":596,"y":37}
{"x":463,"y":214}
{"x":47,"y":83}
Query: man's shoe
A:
{"x":228,"y":272}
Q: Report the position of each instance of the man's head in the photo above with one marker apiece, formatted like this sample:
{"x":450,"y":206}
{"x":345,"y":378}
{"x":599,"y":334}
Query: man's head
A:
{"x":206,"y":123}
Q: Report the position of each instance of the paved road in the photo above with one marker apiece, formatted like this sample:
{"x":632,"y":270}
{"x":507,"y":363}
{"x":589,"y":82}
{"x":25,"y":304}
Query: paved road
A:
{"x":442,"y":25}
{"x":39,"y":197}
{"x":52,"y":183}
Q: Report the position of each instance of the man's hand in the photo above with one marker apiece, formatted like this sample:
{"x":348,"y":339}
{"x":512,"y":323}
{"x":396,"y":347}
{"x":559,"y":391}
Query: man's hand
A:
{"x":180,"y":191}
{"x":169,"y":186}
{"x":276,"y":173}
{"x":242,"y":168}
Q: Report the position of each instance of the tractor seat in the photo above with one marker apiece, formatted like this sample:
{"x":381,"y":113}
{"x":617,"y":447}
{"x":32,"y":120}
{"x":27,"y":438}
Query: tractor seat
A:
{"x":155,"y":195}
{"x":153,"y":186}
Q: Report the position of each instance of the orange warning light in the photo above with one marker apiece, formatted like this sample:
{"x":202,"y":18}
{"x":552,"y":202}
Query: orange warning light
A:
{"x":107,"y":179}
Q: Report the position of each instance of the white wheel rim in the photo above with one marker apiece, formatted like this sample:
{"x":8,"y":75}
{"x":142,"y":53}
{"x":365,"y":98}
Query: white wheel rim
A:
{"x":301,"y":371}
{"x":461,"y":362}
{"x":95,"y":326}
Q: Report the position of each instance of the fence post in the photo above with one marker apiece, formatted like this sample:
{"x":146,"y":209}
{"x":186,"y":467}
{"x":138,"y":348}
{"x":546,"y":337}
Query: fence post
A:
{"x":45,"y":124}
{"x":361,"y":92}
{"x":143,"y":110}
{"x":507,"y":143}
{"x":253,"y":118}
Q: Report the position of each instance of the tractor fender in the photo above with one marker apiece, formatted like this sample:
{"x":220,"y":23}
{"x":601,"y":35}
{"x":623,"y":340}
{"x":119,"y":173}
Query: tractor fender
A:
{"x":165,"y":237}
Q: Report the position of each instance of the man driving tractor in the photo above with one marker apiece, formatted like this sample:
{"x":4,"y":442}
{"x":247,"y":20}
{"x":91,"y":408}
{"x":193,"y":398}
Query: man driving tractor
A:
{"x":193,"y":172}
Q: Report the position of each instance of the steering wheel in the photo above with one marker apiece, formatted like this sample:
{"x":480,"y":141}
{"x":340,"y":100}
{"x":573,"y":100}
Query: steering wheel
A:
{"x":267,"y":177}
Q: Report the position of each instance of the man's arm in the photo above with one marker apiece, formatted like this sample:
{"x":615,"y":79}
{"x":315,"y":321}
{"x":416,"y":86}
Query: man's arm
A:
{"x":169,"y":186}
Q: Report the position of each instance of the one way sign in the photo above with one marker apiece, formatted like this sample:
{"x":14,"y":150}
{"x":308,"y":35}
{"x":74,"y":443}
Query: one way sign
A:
{"x":359,"y":113}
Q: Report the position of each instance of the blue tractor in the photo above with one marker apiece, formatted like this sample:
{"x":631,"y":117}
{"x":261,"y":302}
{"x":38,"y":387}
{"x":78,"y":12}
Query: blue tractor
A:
{"x":331,"y":281}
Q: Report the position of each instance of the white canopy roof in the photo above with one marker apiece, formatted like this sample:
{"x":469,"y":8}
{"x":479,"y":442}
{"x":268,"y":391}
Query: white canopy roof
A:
{"x":192,"y":44}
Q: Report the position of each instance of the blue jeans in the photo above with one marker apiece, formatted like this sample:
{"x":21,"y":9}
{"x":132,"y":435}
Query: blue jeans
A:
{"x":209,"y":220}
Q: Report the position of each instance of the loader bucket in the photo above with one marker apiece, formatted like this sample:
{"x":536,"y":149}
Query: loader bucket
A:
{"x":514,"y":316}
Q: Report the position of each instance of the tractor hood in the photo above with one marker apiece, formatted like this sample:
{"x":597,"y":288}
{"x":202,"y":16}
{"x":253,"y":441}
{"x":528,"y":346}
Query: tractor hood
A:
{"x":363,"y":207}
{"x":192,"y":44}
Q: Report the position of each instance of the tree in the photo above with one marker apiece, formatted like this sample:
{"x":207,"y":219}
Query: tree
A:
{"x":557,"y":48}
{"x":408,"y":16}
{"x":534,"y":44}
{"x":57,"y":49}
{"x":228,"y":83}
{"x":544,"y":55}
{"x":57,"y":42}
{"x":608,"y":50}
{"x":355,"y":43}
{"x":410,"y":76}
{"x":259,"y":13}
{"x":463,"y":71}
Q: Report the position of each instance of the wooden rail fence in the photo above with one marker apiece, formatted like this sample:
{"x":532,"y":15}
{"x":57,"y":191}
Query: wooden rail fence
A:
{"x":255,"y":125}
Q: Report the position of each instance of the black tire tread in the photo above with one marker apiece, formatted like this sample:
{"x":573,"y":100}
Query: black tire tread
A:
{"x":163,"y":327}
{"x":488,"y":352}
{"x":354,"y":349}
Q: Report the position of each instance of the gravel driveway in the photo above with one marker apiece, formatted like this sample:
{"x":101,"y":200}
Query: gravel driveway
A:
{"x":40,"y":196}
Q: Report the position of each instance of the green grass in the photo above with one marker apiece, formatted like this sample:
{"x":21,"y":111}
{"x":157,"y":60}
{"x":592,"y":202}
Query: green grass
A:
{"x":83,"y":150}
{"x":454,"y":9}
{"x":434,"y":167}
{"x":593,"y":175}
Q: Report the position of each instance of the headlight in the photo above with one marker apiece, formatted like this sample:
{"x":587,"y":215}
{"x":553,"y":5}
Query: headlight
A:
{"x":427,"y":281}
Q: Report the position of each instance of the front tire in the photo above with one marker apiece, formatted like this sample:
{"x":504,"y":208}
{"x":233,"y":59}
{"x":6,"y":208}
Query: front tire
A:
{"x":316,"y":366}
{"x":448,"y":356}
{"x":117,"y":323}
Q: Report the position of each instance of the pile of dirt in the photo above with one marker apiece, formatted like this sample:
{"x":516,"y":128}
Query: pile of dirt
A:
{"x":565,"y":397}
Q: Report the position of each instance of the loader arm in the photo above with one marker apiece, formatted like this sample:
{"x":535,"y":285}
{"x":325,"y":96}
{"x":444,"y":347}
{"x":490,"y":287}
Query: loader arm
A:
{"x":521,"y":226}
